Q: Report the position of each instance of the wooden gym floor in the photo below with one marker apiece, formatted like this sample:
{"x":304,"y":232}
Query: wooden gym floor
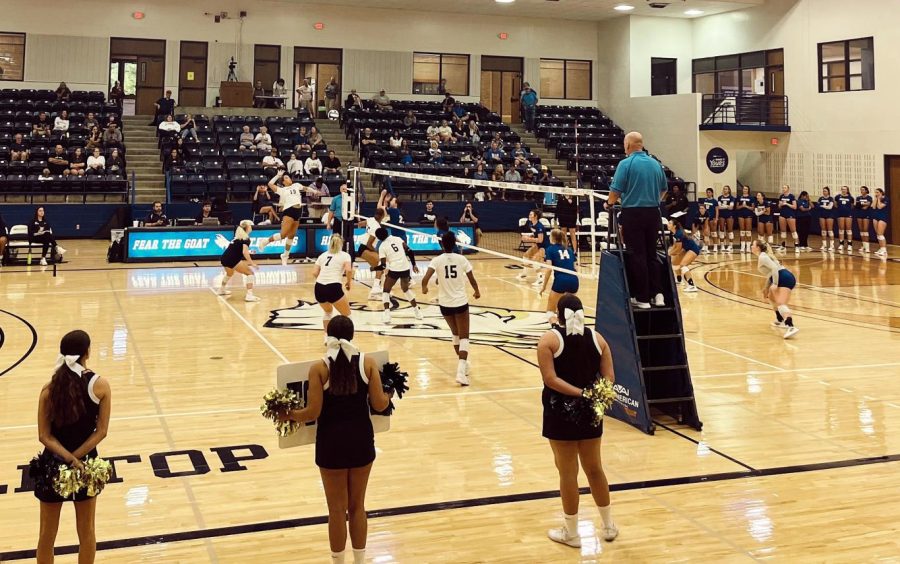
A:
{"x":799,"y":458}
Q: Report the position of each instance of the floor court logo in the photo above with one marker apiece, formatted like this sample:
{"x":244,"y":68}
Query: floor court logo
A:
{"x":17,"y":340}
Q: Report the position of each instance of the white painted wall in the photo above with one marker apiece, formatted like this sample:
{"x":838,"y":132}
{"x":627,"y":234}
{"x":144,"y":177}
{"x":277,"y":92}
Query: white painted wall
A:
{"x":659,"y":37}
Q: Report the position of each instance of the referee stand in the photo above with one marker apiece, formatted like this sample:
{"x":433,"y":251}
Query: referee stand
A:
{"x":651,"y":365}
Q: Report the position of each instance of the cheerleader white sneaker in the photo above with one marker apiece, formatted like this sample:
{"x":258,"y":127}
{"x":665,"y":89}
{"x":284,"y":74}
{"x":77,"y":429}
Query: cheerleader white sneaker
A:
{"x":562,"y":536}
{"x":791,"y":331}
{"x":659,"y":301}
{"x":461,"y":377}
{"x":60,"y":250}
{"x":609,"y":534}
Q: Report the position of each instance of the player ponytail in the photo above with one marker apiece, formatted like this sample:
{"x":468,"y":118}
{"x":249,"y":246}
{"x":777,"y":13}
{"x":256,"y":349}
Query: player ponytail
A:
{"x":67,"y":402}
{"x":336,"y":244}
{"x":676,"y":223}
{"x":557,"y":237}
{"x":342,"y":371}
{"x":243,"y":228}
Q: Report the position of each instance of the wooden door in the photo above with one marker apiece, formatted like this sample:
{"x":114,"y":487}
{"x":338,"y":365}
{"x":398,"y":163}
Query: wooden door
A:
{"x":777,"y":106}
{"x":892,"y":189}
{"x":490,"y":90}
{"x":150,"y":83}
{"x":192,"y":73}
{"x":267,"y":65}
{"x":514,"y":80}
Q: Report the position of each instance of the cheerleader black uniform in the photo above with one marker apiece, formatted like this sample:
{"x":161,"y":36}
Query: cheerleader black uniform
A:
{"x":344,"y":434}
{"x":579,"y":370}
{"x":567,"y":212}
{"x":234,"y":253}
{"x":73,"y":435}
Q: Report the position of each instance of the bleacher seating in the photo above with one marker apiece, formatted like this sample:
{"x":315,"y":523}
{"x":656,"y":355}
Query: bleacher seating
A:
{"x":19,"y":108}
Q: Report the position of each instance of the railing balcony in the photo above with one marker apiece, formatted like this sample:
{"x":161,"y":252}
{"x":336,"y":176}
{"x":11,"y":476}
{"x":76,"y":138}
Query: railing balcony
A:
{"x":745,"y":112}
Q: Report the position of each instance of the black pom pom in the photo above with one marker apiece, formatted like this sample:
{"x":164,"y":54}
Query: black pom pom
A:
{"x":393,"y":380}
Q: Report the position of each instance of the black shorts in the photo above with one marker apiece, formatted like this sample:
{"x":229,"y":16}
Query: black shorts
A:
{"x":328,"y":293}
{"x":454,"y":310}
{"x":401,"y":275}
{"x":568,"y":222}
{"x":293,"y":212}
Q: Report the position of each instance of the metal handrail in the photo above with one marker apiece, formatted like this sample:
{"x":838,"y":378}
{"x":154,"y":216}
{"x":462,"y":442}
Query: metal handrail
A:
{"x":745,"y":109}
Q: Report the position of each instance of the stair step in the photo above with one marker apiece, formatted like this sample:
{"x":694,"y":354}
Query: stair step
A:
{"x":658,"y":337}
{"x":670,"y":400}
{"x":661,"y":368}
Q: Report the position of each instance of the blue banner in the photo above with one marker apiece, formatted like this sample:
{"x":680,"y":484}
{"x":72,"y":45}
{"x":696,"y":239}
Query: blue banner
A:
{"x":423,"y":241}
{"x":179,"y":244}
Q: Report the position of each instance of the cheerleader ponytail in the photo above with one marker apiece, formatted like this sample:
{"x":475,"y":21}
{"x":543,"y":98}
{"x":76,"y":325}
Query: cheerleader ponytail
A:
{"x":66,"y":389}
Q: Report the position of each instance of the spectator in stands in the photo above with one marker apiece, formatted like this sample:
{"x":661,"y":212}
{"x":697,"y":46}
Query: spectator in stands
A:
{"x":263,"y":140}
{"x":480,"y":173}
{"x":332,"y":164}
{"x":263,"y":205}
{"x":189,"y":127}
{"x":409,"y":119}
{"x":39,"y":231}
{"x":294,"y":165}
{"x":300,"y":141}
{"x":435,"y":155}
{"x":494,"y":154}
{"x":304,"y":95}
{"x":459,"y":111}
{"x":95,"y":138}
{"x":520,"y":156}
{"x":353,"y":100}
{"x":406,"y":156}
{"x":117,"y":95}
{"x":184,"y":151}
{"x":168,"y":128}
{"x":63,"y":93}
{"x":174,"y":160}
{"x":316,"y":141}
{"x":205,"y":213}
{"x":512,"y":175}
{"x":96,"y":163}
{"x":382,"y":101}
{"x":442,"y":87}
{"x":366,"y":142}
{"x":77,"y":162}
{"x":529,"y":101}
{"x":156,"y":217}
{"x":396,"y":140}
{"x":45,"y":175}
{"x":315,"y":192}
{"x":113,"y":118}
{"x":474,"y":136}
{"x":433,"y":131}
{"x":546,"y":177}
{"x":19,"y":150}
{"x":444,"y":132}
{"x":58,"y":163}
{"x":112,"y":137}
{"x":468,"y":216}
{"x":449,"y":102}
{"x":61,"y":124}
{"x":675,"y":200}
{"x":332,"y":91}
{"x":165,"y":106}
{"x":271,"y":163}
{"x":91,"y":121}
{"x":313,"y":166}
{"x":115,"y":164}
{"x":258,"y":90}
{"x":41,"y":126}
{"x":246,"y":140}
{"x":429,"y":215}
{"x":280,"y":91}
{"x":497,"y":176}
{"x":529,"y":177}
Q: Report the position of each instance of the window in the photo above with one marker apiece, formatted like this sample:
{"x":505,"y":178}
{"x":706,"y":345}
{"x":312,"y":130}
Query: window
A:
{"x":12,"y":56}
{"x":566,"y":79}
{"x":847,"y":65}
{"x":436,"y":73}
{"x":754,"y":73}
{"x":663,"y":76}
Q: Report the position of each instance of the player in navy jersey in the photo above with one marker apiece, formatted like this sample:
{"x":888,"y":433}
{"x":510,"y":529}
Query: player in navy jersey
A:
{"x":845,"y":202}
{"x":688,"y":249}
{"x":536,"y":236}
{"x":726,"y":219}
{"x":787,"y":207}
{"x":745,"y":204}
{"x":712,"y":209}
{"x":559,"y":255}
{"x":880,"y":211}
{"x":863,"y":215}
{"x":765,"y":220}
{"x":826,"y":219}
{"x":699,"y":223}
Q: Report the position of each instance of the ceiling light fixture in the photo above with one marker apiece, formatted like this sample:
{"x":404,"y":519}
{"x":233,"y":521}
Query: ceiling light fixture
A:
{"x":693,"y":12}
{"x":624,"y":8}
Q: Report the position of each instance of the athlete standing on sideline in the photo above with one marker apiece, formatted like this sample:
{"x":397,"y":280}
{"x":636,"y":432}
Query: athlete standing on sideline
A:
{"x":570,"y":357}
{"x":683,"y":244}
{"x":863,"y":213}
{"x":745,"y":205}
{"x":765,"y":222}
{"x":341,"y":388}
{"x":777,"y":291}
{"x":726,"y":219}
{"x":804,"y":220}
{"x":290,"y":199}
{"x":699,"y":225}
{"x":712,"y":209}
{"x":537,"y":238}
{"x":450,"y":268}
{"x":73,"y":418}
{"x":787,"y":207}
{"x":331,"y":266}
{"x":559,"y":255}
{"x":880,"y":210}
{"x":237,"y":258}
{"x":845,"y":202}
{"x":826,"y":219}
{"x":396,"y":256}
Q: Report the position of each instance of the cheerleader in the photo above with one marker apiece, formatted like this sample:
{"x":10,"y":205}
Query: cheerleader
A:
{"x":559,"y":255}
{"x":863,"y":214}
{"x":536,"y":236}
{"x":567,"y":217}
{"x":787,"y":208}
{"x":452,"y":299}
{"x":571,"y":356}
{"x":845,"y":202}
{"x":331,"y":266}
{"x":726,"y":219}
{"x":826,"y":219}
{"x":880,"y":220}
{"x":73,"y":418}
{"x":397,"y":258}
{"x":342,"y":387}
{"x":237,"y":258}
{"x":745,"y":205}
{"x":779,"y":284}
{"x":712,"y":209}
{"x":367,"y":250}
{"x":765,"y":224}
{"x":290,"y":199}
{"x":683,"y":244}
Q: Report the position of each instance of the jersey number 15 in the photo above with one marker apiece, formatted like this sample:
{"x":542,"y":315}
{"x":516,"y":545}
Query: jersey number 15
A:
{"x":450,"y":271}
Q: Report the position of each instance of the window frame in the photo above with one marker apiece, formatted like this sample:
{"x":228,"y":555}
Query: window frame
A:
{"x":712,"y":67}
{"x":24,"y":48}
{"x":565,"y":63}
{"x":847,"y":75}
{"x":440,"y":57}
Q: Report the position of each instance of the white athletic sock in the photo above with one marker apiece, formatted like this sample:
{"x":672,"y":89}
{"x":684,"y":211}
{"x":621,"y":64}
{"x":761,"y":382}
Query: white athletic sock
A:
{"x":606,"y":515}
{"x":771,"y":239}
{"x":359,"y":555}
{"x":461,"y":366}
{"x":571,"y":522}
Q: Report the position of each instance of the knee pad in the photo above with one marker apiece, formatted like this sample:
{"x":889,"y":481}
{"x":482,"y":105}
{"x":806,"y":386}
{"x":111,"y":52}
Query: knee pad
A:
{"x":721,"y":234}
{"x":276,"y":237}
{"x":327,"y":315}
{"x":794,"y":235}
{"x":249,"y":279}
{"x":410,"y":295}
{"x":784,"y":310}
{"x":463,"y":345}
{"x":731,"y":235}
{"x":881,"y":239}
{"x":824,"y":233}
{"x":455,"y":340}
{"x":685,"y":269}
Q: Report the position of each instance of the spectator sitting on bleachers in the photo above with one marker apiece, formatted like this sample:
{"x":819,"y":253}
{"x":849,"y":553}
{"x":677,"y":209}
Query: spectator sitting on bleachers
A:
{"x":184,"y":151}
{"x":366,"y":142}
{"x":168,"y":128}
{"x":304,"y":95}
{"x":45,"y":175}
{"x":547,"y":177}
{"x":494,"y":154}
{"x":258,"y":90}
{"x":189,"y":127}
{"x":112,"y":137}
{"x":165,"y":106}
{"x":41,"y":126}
{"x":173,"y":160}
{"x":19,"y":150}
{"x":433,"y":132}
{"x":300,"y":141}
{"x":429,"y":215}
{"x":39,"y":231}
{"x":353,"y":100}
{"x":520,"y":156}
{"x":512,"y":175}
{"x":63,"y":93}
{"x":435,"y":155}
{"x":444,"y":132}
{"x":115,"y":164}
{"x":409,"y":119}
{"x":205,"y":213}
{"x":313,"y":166}
{"x":58,"y":163}
{"x":449,"y":102}
{"x":468,"y":215}
{"x":497,"y":175}
{"x":246,"y":139}
{"x":156,"y":217}
{"x":77,"y":162}
{"x":271,"y":163}
{"x":529,"y":178}
{"x":382,"y":101}
{"x":332,"y":164}
{"x":113,"y":118}
{"x":406,"y":156}
{"x":263,"y":140}
{"x":61,"y":124}
{"x":262,"y":204}
{"x":480,"y":173}
{"x":396,"y":140}
{"x":459,"y":111}
{"x":315,"y":139}
{"x":315,"y":192}
{"x":294,"y":166}
{"x":96,"y":163}
{"x":95,"y":138}
{"x":474,"y":135}
{"x":91,"y":121}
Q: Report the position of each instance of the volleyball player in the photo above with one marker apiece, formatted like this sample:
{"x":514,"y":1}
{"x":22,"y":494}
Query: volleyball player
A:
{"x":559,"y":255}
{"x":237,"y":258}
{"x":745,"y":205}
{"x":880,"y":210}
{"x":341,"y":389}
{"x":765,"y":222}
{"x":699,"y":225}
{"x":290,"y":199}
{"x":450,"y":267}
{"x":331,"y":266}
{"x":690,"y":249}
{"x":396,"y":256}
{"x":826,"y":219}
{"x":787,"y":207}
{"x":863,"y":214}
{"x":570,"y":357}
{"x":726,"y":219}
{"x":777,"y":291}
{"x":845,"y":202}
{"x":536,"y":236}
{"x":367,"y":250}
{"x":73,"y":418}
{"x":712,"y":209}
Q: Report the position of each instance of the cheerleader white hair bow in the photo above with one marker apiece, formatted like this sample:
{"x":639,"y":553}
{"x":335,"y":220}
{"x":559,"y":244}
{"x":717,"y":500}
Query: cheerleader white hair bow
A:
{"x":574,"y":321}
{"x":333,"y":345}
{"x":70,"y":360}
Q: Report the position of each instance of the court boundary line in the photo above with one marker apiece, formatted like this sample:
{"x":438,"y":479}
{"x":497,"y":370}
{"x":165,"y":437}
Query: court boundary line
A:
{"x":246,"y":322}
{"x":299,"y":522}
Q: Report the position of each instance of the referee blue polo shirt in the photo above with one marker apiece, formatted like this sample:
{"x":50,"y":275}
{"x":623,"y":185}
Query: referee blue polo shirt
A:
{"x":640,"y":180}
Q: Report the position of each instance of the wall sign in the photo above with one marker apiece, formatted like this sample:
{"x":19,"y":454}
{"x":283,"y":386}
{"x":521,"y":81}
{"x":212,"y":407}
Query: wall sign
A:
{"x":717,"y":160}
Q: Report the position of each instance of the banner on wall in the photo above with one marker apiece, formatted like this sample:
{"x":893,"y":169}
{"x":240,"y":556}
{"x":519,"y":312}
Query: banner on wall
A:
{"x":425,"y":241}
{"x":717,"y":160}
{"x":179,"y":244}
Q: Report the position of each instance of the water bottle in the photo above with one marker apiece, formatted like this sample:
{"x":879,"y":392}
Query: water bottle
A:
{"x":29,"y":258}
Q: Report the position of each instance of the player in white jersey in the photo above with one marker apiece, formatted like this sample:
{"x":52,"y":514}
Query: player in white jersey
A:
{"x":367,"y":250}
{"x":397,"y":258}
{"x":450,"y":267}
{"x":331,"y":266}
{"x":290,"y":199}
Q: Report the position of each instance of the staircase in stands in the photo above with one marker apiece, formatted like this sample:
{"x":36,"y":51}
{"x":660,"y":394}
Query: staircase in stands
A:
{"x":337,"y":142}
{"x":142,"y":158}
{"x":548,"y":156}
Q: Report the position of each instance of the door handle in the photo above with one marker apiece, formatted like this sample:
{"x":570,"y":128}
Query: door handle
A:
{"x":143,"y":73}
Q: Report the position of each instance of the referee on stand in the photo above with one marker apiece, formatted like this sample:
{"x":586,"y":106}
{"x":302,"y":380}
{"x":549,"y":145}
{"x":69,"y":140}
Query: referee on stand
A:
{"x":639,"y":183}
